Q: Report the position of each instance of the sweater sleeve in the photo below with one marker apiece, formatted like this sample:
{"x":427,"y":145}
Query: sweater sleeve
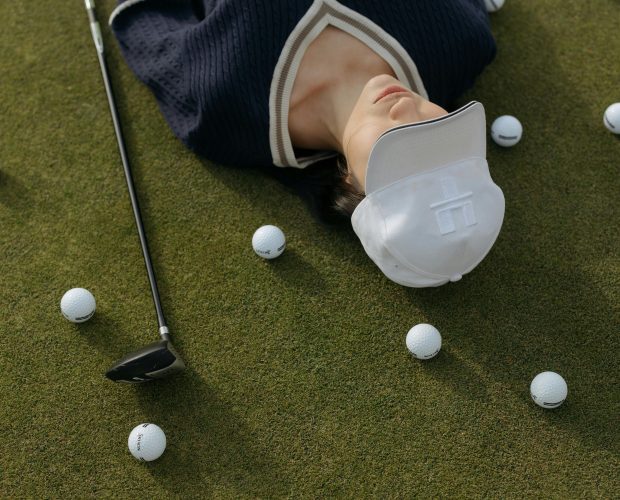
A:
{"x":151,"y":35}
{"x":209,"y":65}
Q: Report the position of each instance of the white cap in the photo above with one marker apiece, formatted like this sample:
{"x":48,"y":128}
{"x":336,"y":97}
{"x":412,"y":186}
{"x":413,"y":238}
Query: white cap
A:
{"x":431,"y":211}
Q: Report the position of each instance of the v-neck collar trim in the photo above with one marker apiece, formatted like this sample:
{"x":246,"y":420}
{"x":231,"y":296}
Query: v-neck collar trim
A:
{"x":319,"y":15}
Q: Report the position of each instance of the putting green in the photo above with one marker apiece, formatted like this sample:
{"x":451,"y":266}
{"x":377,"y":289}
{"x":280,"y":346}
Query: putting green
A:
{"x":299,"y":382}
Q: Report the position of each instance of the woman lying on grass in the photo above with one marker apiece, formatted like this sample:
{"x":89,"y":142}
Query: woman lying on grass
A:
{"x":349,"y":103}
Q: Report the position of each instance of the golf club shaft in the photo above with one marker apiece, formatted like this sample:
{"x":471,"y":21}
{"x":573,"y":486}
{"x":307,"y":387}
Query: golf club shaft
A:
{"x":97,"y":38}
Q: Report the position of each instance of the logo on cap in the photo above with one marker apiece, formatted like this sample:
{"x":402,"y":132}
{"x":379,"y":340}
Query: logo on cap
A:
{"x":452,"y":202}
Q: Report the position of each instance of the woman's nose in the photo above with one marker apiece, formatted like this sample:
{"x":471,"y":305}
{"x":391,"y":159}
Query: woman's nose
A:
{"x":407,"y":110}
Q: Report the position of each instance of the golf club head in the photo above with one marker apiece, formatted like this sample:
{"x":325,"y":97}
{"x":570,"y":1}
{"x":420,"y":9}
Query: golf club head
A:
{"x":156,"y":360}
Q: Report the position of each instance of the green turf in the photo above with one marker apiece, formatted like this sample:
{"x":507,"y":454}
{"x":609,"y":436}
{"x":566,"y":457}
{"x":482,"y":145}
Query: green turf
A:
{"x":299,"y":383}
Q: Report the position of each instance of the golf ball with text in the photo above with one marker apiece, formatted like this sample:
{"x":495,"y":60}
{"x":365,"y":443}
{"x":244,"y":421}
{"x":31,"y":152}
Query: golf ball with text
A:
{"x":423,"y":341}
{"x":147,"y":442}
{"x":78,"y":305}
{"x":269,"y":242}
{"x":548,"y":389}
{"x":506,"y":131}
{"x":611,"y":119}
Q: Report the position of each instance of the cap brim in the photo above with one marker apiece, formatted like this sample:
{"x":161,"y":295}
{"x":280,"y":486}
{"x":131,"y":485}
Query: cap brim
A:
{"x":423,"y":146}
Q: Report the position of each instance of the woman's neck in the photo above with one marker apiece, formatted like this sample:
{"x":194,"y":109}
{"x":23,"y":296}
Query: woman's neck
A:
{"x":333,"y":71}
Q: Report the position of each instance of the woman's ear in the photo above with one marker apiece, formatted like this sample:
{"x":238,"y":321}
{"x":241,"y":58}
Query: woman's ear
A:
{"x":351,"y":176}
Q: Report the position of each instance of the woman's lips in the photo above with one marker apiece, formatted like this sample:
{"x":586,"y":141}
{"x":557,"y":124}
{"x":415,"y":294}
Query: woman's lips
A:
{"x":390,"y":90}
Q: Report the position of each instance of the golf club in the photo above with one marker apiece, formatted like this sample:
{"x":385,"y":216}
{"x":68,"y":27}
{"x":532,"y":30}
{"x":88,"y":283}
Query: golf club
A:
{"x":159,"y":359}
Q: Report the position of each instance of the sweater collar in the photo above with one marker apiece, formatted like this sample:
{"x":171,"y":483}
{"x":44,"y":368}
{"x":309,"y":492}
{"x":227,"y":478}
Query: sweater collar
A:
{"x":318,"y":16}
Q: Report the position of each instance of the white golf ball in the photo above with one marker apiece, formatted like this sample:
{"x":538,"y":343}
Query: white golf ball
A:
{"x":548,"y":389}
{"x":423,"y":341}
{"x":78,"y":305}
{"x":506,"y":131}
{"x":611,"y":119}
{"x":493,"y":5}
{"x":269,"y":242}
{"x":147,"y":442}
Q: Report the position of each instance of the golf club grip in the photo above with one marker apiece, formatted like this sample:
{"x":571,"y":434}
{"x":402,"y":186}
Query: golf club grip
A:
{"x":121,"y":146}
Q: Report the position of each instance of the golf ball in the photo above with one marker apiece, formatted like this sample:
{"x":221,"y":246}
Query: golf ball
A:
{"x":78,"y":305}
{"x":269,"y":242}
{"x":506,"y":131}
{"x":548,"y":389}
{"x":423,"y":341}
{"x":612,"y":118}
{"x":147,"y":442}
{"x":493,"y":5}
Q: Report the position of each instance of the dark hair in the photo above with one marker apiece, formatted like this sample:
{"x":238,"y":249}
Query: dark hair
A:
{"x":324,"y":187}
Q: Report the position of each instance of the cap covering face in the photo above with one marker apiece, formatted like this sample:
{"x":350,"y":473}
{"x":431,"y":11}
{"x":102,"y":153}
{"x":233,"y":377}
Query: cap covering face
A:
{"x":432,"y":211}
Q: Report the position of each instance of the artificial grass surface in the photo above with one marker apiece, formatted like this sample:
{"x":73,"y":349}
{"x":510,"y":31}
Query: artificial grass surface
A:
{"x":299,"y":383}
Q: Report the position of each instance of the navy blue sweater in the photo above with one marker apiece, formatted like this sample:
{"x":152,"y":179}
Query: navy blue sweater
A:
{"x":222,"y":70}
